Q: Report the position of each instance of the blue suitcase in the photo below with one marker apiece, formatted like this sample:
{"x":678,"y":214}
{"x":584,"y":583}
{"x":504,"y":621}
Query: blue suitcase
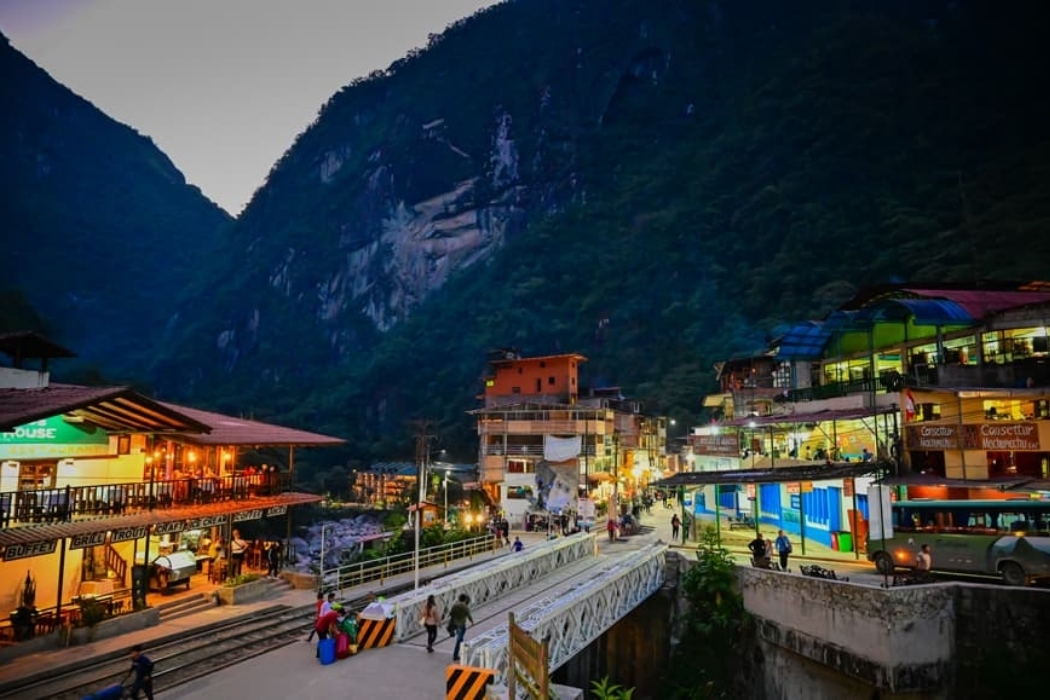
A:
{"x":113,"y":692}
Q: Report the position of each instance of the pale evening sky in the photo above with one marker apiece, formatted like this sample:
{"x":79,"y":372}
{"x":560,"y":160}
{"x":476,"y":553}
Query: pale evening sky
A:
{"x":223,"y":87}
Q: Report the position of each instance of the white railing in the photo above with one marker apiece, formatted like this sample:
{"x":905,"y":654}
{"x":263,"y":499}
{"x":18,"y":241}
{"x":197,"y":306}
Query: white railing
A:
{"x":485,"y":583}
{"x":575,"y":616}
{"x":351,"y":575}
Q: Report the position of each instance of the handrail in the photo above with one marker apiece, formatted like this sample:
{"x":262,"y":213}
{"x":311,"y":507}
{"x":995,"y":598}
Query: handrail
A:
{"x":66,"y":503}
{"x":117,"y":564}
{"x":351,"y":575}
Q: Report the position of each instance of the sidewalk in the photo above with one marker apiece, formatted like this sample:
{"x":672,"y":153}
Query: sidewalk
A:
{"x":58,"y":658}
{"x":736,"y":541}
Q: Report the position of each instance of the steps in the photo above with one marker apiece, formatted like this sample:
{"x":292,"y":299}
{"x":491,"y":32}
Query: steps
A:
{"x":184,"y":606}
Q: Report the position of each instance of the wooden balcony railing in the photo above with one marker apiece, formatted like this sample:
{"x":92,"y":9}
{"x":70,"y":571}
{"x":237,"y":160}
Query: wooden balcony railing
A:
{"x":73,"y":502}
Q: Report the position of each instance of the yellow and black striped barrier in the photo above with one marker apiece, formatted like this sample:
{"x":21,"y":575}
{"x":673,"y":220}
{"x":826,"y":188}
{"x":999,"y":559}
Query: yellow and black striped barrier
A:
{"x":372,"y":634}
{"x":467,"y":682}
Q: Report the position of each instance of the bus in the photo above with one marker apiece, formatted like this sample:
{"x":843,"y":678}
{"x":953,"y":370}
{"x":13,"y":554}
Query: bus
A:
{"x":1008,"y":539}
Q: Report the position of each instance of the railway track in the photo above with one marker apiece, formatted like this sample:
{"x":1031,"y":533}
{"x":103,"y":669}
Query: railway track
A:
{"x":183,"y":657}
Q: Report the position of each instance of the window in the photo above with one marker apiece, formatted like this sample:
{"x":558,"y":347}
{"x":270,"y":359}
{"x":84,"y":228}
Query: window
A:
{"x":36,"y":476}
{"x":515,"y":390}
{"x":518,"y":493}
{"x":550,"y":380}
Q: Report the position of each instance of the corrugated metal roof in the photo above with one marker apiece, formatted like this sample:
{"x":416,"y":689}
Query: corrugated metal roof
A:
{"x":45,"y":533}
{"x":780,"y":475}
{"x":226,"y":430}
{"x":925,"y":312}
{"x":804,"y":341}
{"x":981,"y":303}
{"x":30,"y":345}
{"x":116,"y":409}
{"x":798,"y":418}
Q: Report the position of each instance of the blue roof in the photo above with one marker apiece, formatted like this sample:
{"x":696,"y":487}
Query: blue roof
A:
{"x":925,"y":312}
{"x":805,"y":341}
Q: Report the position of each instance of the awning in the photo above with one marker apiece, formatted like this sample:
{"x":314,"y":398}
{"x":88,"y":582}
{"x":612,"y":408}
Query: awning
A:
{"x":115,"y":409}
{"x":1002,"y":483}
{"x":230,"y":431}
{"x":799,"y":418}
{"x":779,"y":475}
{"x":32,"y":534}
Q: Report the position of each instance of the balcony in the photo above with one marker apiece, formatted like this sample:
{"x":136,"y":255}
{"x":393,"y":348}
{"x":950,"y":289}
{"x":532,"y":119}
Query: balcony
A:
{"x":542,"y":427}
{"x":1015,"y":375}
{"x":836,"y":389}
{"x":71,"y":503}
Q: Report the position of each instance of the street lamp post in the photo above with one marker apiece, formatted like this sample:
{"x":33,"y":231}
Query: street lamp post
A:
{"x":320,"y":566}
{"x":446,"y":499}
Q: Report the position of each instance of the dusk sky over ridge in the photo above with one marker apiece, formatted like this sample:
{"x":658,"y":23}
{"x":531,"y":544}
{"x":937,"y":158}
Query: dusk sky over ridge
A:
{"x":223,"y":87}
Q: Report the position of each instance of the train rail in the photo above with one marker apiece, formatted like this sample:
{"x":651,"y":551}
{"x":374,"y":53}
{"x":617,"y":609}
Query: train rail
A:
{"x":182,"y":658}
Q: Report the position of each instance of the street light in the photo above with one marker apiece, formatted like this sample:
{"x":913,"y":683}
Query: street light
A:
{"x":320,"y":566}
{"x":446,"y":499}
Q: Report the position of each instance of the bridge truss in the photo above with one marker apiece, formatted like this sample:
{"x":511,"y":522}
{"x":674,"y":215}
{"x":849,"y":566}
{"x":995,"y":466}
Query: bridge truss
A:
{"x":576,"y":615}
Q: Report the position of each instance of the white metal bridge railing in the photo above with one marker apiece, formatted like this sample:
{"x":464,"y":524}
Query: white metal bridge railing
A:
{"x":575,"y":616}
{"x":351,"y":575}
{"x":497,"y":578}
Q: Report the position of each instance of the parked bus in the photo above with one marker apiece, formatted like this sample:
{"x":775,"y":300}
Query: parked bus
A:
{"x":1007,"y":539}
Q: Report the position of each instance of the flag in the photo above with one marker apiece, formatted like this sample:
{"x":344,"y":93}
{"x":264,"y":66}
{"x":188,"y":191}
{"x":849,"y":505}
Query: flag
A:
{"x":909,"y":406}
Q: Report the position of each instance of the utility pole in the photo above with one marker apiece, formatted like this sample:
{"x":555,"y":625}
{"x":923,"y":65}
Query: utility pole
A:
{"x":423,"y":437}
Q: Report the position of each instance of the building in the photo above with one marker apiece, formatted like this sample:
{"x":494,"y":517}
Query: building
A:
{"x":548,"y":446}
{"x":942,"y":390}
{"x":97,"y":482}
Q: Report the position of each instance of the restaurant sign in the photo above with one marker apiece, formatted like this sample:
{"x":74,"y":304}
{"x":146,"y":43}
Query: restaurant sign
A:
{"x":247,"y":515}
{"x":33,"y":549}
{"x":123,"y":534}
{"x":723,"y":445}
{"x":209,"y":521}
{"x":995,"y":437}
{"x":276,"y":510}
{"x":169,"y":528}
{"x":91,"y":539}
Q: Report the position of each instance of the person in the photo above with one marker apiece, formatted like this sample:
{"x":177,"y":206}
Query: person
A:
{"x":273,"y":560}
{"x":924,"y":561}
{"x":328,"y":624}
{"x":676,"y":525}
{"x":504,"y":527}
{"x":759,"y":551}
{"x":238,"y":548}
{"x":317,"y":615}
{"x":431,"y":620}
{"x":327,"y":605}
{"x":518,"y":545}
{"x":142,"y":668}
{"x":459,"y":616}
{"x":783,"y":547}
{"x":610,"y":526}
{"x":865,"y":456}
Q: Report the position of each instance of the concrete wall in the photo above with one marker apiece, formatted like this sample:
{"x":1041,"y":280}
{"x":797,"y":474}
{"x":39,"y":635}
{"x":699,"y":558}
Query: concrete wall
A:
{"x":827,"y":639}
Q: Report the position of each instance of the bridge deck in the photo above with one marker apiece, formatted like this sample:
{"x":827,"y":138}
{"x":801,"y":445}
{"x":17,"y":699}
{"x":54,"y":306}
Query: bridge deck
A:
{"x":400,"y":670}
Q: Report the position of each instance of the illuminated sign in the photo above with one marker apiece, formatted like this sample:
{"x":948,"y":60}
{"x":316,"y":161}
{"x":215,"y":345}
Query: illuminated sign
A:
{"x":723,"y":445}
{"x":996,"y":437}
{"x":55,"y":430}
{"x":276,"y":510}
{"x":201,"y":523}
{"x":24,"y":551}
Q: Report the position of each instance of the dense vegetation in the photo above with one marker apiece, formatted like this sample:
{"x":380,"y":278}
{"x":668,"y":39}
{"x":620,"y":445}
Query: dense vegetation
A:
{"x":99,"y":229}
{"x":691,"y":174}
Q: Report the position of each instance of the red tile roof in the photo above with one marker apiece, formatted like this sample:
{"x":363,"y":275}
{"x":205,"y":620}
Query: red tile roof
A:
{"x":226,"y":430}
{"x":982,"y":303}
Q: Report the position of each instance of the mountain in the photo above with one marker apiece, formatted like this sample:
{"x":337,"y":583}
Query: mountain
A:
{"x":654,"y":185}
{"x":100,"y":230}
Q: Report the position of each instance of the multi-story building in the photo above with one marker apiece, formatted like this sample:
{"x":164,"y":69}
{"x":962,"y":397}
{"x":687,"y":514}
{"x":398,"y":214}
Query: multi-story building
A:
{"x":942,"y":387}
{"x":545,"y":443}
{"x":97,"y":482}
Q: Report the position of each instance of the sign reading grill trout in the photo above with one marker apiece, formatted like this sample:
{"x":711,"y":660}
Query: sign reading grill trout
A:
{"x":996,"y":437}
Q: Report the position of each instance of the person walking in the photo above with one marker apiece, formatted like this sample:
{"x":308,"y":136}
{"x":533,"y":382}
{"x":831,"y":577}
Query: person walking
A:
{"x":431,"y":620}
{"x":610,"y":525}
{"x":317,"y":615}
{"x":273,"y":560}
{"x":459,"y":616}
{"x":783,"y":547}
{"x":759,"y":552}
{"x":142,"y":668}
{"x":676,"y":525}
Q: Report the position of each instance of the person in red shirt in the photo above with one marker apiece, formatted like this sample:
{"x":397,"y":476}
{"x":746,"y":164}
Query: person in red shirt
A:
{"x":327,"y":625}
{"x":317,"y":616}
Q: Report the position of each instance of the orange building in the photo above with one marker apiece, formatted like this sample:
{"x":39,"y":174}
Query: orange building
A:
{"x":552,"y":379}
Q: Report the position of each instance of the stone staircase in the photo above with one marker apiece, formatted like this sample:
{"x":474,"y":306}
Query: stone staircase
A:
{"x":186,"y":605}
